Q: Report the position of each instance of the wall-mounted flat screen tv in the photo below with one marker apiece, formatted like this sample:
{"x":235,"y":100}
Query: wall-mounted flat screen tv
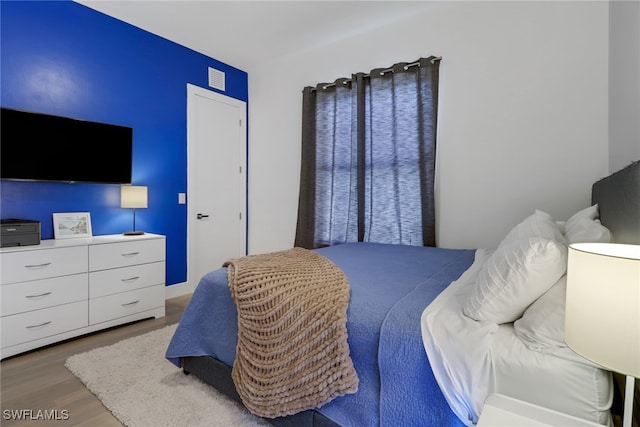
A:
{"x":43,"y":147}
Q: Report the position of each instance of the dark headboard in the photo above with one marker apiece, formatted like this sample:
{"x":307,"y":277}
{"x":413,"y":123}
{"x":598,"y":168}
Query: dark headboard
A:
{"x":618,"y":199}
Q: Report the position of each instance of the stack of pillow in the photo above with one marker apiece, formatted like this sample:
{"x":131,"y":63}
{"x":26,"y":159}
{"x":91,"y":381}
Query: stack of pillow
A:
{"x":524,"y":279}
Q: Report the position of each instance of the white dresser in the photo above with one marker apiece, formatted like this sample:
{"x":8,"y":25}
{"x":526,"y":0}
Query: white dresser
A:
{"x":64,"y":288}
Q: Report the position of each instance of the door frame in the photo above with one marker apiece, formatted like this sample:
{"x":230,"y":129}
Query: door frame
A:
{"x":193,"y":91}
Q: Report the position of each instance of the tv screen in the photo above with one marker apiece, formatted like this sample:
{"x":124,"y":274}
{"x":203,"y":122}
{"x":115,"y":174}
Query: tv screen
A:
{"x":42,"y":147}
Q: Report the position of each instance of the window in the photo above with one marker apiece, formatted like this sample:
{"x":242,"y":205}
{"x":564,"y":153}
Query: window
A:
{"x":368,"y":158}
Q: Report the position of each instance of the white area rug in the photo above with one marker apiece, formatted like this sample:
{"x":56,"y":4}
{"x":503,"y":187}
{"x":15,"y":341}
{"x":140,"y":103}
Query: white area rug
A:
{"x":141,"y":388}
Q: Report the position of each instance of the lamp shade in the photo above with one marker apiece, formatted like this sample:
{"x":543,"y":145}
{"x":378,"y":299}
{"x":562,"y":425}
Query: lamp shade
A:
{"x":602,"y":318}
{"x":133,"y":196}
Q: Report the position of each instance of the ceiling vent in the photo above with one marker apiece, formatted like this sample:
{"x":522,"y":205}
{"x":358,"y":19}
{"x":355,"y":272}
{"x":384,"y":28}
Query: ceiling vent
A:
{"x":216,"y":79}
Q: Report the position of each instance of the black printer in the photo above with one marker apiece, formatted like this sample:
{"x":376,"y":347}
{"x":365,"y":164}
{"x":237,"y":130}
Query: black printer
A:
{"x":19,"y":232}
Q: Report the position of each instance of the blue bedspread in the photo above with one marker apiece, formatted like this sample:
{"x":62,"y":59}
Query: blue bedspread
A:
{"x":390,"y":287}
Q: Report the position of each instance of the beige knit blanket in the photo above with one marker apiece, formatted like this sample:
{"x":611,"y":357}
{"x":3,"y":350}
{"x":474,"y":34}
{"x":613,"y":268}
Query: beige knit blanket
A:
{"x":292,"y":351}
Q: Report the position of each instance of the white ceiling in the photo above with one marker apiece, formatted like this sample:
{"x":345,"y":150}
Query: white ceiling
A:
{"x":244,"y":34}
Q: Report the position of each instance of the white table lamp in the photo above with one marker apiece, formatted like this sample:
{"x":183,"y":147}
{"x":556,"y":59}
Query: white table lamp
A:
{"x":602,"y":319}
{"x":133,"y":196}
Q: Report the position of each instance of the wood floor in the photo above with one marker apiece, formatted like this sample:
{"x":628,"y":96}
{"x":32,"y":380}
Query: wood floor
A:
{"x":39,"y":381}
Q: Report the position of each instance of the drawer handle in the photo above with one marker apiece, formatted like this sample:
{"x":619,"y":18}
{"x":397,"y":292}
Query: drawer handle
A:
{"x":130,"y":279}
{"x":38,"y":265}
{"x":38,"y":296}
{"x":131,"y":254}
{"x":38,"y":326}
{"x":131,"y":303}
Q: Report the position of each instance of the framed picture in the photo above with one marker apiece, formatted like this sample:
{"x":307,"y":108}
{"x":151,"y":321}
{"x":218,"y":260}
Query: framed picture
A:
{"x":71,"y":225}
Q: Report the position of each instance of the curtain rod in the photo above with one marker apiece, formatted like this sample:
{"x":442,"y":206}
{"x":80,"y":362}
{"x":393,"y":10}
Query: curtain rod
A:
{"x":388,"y":70}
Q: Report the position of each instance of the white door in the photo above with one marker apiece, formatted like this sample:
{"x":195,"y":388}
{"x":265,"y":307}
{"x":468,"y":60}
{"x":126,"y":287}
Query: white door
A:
{"x":216,"y":180}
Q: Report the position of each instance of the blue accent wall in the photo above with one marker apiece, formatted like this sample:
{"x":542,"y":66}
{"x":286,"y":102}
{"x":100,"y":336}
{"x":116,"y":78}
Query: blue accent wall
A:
{"x":62,"y":58}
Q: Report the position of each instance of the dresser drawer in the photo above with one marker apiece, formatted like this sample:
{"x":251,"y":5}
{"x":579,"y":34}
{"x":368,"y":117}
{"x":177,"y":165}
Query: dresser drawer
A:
{"x":40,"y":264}
{"x":122,"y":254}
{"x":120,"y":305}
{"x":25,"y":327}
{"x":38,"y":294}
{"x":115,"y":280}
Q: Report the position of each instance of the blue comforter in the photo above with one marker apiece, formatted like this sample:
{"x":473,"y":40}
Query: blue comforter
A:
{"x":390,"y":287}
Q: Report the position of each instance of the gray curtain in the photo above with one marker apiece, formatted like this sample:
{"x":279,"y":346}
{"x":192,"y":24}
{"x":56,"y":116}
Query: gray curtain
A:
{"x":368,"y":158}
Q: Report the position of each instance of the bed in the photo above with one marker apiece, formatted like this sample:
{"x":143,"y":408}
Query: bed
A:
{"x":426,"y":343}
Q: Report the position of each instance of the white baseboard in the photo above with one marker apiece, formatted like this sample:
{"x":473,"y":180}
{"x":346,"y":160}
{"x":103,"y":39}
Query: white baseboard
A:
{"x":177,"y":290}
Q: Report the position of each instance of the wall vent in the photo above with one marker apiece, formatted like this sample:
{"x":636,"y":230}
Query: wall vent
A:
{"x":216,"y":79}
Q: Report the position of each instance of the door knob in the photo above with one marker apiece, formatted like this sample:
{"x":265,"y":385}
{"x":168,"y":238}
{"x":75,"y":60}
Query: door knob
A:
{"x":200,"y":216}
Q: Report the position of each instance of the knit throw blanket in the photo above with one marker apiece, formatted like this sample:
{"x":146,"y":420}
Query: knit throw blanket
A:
{"x":292,"y":352}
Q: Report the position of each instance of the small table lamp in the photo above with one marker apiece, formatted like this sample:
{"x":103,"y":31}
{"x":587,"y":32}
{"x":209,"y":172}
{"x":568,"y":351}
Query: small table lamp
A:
{"x":133,"y":196}
{"x":602,"y":318}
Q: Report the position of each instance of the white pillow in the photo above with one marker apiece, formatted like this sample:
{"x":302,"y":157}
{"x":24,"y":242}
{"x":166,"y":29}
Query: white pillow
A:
{"x":539,"y":224}
{"x":542,"y":324}
{"x":583,"y":230}
{"x":591,"y":212}
{"x":513,"y":277}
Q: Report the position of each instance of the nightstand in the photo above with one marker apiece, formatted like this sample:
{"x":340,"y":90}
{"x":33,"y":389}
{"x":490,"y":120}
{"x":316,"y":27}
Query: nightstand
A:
{"x":505,"y":411}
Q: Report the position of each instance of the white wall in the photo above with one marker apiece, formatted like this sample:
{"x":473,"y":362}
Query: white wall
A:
{"x":523,"y":117}
{"x":624,"y":83}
